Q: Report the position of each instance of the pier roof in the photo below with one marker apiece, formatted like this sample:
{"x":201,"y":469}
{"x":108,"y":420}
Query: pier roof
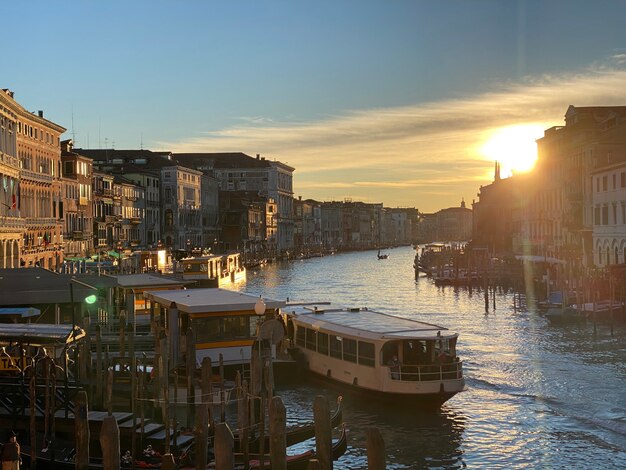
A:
{"x":210,"y":300}
{"x":147,"y":280}
{"x":38,"y":334}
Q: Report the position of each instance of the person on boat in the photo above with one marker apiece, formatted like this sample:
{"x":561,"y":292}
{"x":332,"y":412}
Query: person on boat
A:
{"x":11,"y":454}
{"x":394,"y":366}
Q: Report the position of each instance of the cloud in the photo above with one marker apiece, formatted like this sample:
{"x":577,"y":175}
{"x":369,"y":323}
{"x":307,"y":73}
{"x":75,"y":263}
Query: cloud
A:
{"x":397,"y":155}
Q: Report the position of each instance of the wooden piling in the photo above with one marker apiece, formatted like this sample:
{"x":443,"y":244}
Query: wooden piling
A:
{"x":314,"y":464}
{"x":262,"y":432}
{"x":224,"y":443}
{"x":222,"y":391}
{"x":81,"y":431}
{"x":202,"y":417}
{"x":244,"y":436}
{"x":323,"y":438}
{"x":167,"y":462}
{"x":99,"y":372}
{"x":375,"y":449}
{"x":110,"y":391}
{"x":110,"y":443}
{"x":33,"y":418}
{"x":278,"y":428}
{"x":191,"y":372}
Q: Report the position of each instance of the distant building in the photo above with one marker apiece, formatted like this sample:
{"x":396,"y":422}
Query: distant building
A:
{"x":237,"y":171}
{"x":451,"y":224}
{"x":609,"y":213}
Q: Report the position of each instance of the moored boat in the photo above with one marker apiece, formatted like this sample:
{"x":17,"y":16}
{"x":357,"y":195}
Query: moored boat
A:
{"x":376,"y":352}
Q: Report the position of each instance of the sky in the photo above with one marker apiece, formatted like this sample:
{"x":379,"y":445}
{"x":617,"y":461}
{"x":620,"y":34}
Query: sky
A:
{"x":407,"y":103}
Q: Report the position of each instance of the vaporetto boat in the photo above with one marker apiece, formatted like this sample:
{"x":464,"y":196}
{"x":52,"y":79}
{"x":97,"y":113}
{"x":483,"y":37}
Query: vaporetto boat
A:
{"x":376,"y":352}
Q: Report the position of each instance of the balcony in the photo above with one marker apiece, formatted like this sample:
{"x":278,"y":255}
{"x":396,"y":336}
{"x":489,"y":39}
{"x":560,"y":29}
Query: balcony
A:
{"x":35,"y":176}
{"x":135,"y":220}
{"x":77,"y":235}
{"x":111,"y":219}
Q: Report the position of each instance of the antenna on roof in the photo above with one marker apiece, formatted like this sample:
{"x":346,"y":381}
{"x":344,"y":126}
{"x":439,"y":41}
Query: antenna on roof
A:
{"x":73,"y":133}
{"x":141,"y":143}
{"x":99,"y":136}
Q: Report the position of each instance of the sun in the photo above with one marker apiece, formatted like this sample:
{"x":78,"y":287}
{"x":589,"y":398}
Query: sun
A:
{"x":513,"y":147}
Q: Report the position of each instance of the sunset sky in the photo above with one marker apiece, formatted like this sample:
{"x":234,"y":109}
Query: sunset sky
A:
{"x":402,"y":102}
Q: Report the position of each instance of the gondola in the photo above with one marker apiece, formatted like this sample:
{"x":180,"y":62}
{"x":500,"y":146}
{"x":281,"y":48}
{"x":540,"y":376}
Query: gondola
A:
{"x":296,"y":434}
{"x":301,"y":461}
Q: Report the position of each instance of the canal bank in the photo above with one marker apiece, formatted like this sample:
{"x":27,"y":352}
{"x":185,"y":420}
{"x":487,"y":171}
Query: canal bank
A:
{"x":539,"y":395}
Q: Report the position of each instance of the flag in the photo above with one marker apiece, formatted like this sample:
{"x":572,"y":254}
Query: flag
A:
{"x":13,"y":201}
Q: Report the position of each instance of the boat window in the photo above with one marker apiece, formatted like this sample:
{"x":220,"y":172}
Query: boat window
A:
{"x":310,"y":339}
{"x":349,"y":350}
{"x":236,"y":327}
{"x":322,"y":343}
{"x":221,"y":328}
{"x":366,"y":353}
{"x":300,"y":333}
{"x":207,"y":329}
{"x":335,"y":346}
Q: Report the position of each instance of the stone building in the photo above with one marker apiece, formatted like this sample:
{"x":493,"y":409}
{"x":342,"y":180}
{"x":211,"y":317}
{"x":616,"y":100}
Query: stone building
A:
{"x":77,"y":211}
{"x":32,"y":229}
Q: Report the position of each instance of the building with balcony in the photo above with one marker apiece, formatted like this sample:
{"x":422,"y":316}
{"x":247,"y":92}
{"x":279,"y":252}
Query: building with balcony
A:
{"x":77,"y":208}
{"x":35,"y":194}
{"x":180,"y":199}
{"x":237,"y":171}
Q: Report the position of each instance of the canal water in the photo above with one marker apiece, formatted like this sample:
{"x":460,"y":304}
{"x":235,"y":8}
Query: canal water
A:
{"x":538,"y":395}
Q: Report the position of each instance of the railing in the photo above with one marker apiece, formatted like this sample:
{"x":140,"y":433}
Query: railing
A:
{"x":427,"y":373}
{"x":33,"y":175}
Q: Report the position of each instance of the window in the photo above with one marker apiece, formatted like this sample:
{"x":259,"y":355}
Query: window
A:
{"x":222,"y":328}
{"x":366,"y":354}
{"x":310,"y":339}
{"x":335,"y":346}
{"x":349,"y":350}
{"x":623,"y":179}
{"x":605,"y":215}
{"x":596,"y":216}
{"x":605,"y":180}
{"x":300,"y":335}
{"x":322,"y":343}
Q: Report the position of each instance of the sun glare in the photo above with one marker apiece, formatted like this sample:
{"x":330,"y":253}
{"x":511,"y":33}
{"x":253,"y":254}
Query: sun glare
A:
{"x":514,"y":147}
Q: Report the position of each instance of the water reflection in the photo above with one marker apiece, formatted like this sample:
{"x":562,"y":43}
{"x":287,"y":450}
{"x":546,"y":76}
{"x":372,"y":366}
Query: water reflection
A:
{"x":539,"y":395}
{"x":414,"y":438}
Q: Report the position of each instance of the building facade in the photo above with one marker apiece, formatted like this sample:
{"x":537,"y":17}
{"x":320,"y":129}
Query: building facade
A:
{"x":36,"y":194}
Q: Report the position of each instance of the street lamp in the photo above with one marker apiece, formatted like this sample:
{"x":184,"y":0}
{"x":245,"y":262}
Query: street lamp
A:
{"x":259,"y":307}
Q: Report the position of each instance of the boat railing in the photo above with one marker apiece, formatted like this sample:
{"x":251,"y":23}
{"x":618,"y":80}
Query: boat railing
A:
{"x":428,"y":372}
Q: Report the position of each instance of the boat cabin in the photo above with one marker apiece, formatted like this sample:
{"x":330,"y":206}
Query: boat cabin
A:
{"x":214,"y":270}
{"x":223,"y":321}
{"x":374,"y":350}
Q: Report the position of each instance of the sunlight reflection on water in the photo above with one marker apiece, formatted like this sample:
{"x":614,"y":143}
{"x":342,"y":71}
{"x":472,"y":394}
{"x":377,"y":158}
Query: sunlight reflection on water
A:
{"x":538,"y":395}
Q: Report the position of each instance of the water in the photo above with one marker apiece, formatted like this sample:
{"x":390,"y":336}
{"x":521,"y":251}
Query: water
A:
{"x":539,"y":396}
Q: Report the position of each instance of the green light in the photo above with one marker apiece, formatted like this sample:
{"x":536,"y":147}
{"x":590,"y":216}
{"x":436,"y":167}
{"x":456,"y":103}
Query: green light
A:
{"x":91,"y":299}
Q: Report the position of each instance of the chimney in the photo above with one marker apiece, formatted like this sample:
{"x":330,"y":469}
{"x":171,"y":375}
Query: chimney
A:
{"x":40,"y":113}
{"x":258,"y":156}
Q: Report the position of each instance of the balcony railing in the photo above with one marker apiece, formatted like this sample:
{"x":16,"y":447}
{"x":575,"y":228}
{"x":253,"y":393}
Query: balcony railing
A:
{"x":10,"y":160}
{"x":425,"y":373}
{"x":35,"y":176}
{"x":135,"y":220}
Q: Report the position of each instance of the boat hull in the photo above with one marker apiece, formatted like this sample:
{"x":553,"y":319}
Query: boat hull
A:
{"x":418,"y":400}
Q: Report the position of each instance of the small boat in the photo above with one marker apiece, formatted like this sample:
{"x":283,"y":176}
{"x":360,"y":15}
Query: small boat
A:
{"x":301,"y":461}
{"x":565,"y":315}
{"x":298,"y":434}
{"x":376,"y":353}
{"x":384,"y":256}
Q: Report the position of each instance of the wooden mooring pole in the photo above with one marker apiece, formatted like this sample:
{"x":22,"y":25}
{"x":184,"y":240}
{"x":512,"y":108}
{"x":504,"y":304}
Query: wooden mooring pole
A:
{"x":110,"y":443}
{"x":323,"y":438}
{"x":81,"y":430}
{"x":278,"y":428}
{"x":224,"y":443}
{"x":375,"y":449}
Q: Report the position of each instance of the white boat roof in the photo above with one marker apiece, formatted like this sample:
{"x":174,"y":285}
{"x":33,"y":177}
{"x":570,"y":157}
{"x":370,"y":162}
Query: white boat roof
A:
{"x":362,"y":322}
{"x":209,"y":300}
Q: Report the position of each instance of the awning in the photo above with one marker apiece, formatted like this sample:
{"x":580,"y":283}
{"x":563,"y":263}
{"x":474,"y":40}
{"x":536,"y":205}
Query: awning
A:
{"x":37,"y":334}
{"x":115,"y":254}
{"x":24,"y":312}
